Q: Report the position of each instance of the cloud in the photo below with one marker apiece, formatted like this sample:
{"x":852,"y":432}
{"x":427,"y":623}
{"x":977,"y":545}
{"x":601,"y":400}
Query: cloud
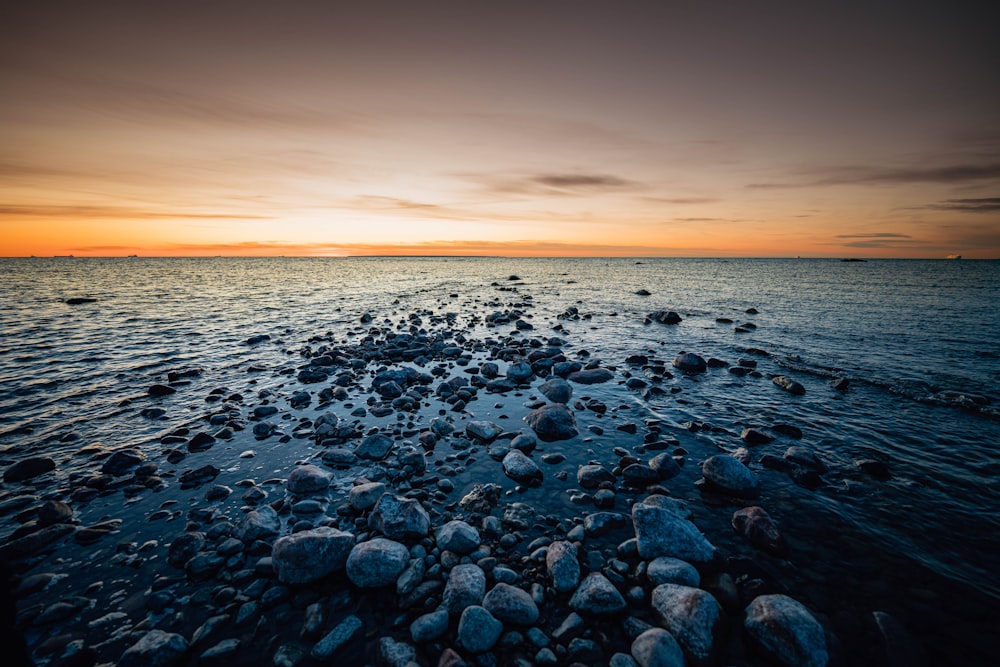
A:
{"x":574,"y":184}
{"x":875,"y":235}
{"x":852,"y":175}
{"x":115,"y":213}
{"x":973,"y":205}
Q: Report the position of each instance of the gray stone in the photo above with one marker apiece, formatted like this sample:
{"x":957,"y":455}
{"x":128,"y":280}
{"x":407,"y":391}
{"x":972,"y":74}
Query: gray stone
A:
{"x":483,"y":431}
{"x":660,"y":532}
{"x":787,"y":631}
{"x":258,"y":524}
{"x":375,"y":447}
{"x":665,"y":465}
{"x":592,"y":475}
{"x":756,"y":525}
{"x":118,"y":463}
{"x":693,"y":617}
{"x":156,"y":649}
{"x":478,"y":631}
{"x":519,"y":372}
{"x":657,"y":648}
{"x":399,"y":518}
{"x":729,"y":475}
{"x":395,"y":654}
{"x":307,"y":479}
{"x":563,"y":565}
{"x":336,"y":638}
{"x":690,"y":362}
{"x":459,"y":537}
{"x":791,"y":386}
{"x":552,"y":422}
{"x":665,"y":317}
{"x":429,"y":627}
{"x":364,"y":496}
{"x":521,"y":469}
{"x":466,"y":586}
{"x":597,"y":596}
{"x":376,"y":563}
{"x":510,"y":604}
{"x":591,"y":376}
{"x":666,"y":570}
{"x":308,"y":555}
{"x":556,"y":390}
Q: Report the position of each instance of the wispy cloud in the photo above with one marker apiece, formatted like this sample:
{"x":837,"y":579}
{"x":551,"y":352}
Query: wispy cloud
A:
{"x":874,"y":235}
{"x":115,"y":213}
{"x":957,"y":174}
{"x":971,"y":205}
{"x":563,"y":184}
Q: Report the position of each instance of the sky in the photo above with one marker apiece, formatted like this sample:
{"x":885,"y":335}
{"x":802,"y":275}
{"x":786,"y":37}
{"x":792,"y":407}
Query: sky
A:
{"x":546,"y":128}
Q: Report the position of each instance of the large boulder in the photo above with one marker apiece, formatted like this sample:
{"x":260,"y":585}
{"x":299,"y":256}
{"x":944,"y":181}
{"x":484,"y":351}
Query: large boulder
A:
{"x":30,"y":467}
{"x":521,"y":469}
{"x":786,"y":631}
{"x":458,"y":536}
{"x":466,"y":586}
{"x":308,"y":555}
{"x":510,"y":604}
{"x":661,"y":532}
{"x":399,"y":518}
{"x":726,"y":473}
{"x":693,"y":617}
{"x":552,"y":422}
{"x":307,"y":479}
{"x":376,"y":563}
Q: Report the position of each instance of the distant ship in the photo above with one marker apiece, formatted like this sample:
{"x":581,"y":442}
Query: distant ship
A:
{"x":953,"y":257}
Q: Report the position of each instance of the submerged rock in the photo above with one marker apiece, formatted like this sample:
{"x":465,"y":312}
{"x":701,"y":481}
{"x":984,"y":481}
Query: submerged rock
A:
{"x":521,"y":469}
{"x":690,"y":362}
{"x":28,"y":468}
{"x":791,"y":386}
{"x":786,"y":630}
{"x":759,"y":529}
{"x":665,"y":317}
{"x":729,"y":475}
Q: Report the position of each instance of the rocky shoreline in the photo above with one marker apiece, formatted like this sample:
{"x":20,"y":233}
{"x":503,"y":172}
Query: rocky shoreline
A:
{"x":458,"y":490}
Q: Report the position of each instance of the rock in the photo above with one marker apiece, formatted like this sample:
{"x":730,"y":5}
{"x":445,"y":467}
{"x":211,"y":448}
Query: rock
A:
{"x":526,"y":442}
{"x":459,"y":537}
{"x":160,"y":390}
{"x":787,"y":631}
{"x":657,"y":648}
{"x":552,"y":422}
{"x":643,"y":292}
{"x":305,"y":556}
{"x":759,"y":529}
{"x":54,"y":511}
{"x":597,"y":596}
{"x":374,"y":447}
{"x":665,"y":465}
{"x":666,"y":570}
{"x":399,"y":518}
{"x":307,"y":479}
{"x":591,"y":376}
{"x":35,"y":542}
{"x":511,"y":605}
{"x":376,"y":563}
{"x":521,"y":469}
{"x":693,"y":617}
{"x":789,"y":385}
{"x":200,"y":442}
{"x":689,"y":362}
{"x":755,"y":436}
{"x":478,"y":631}
{"x":728,"y":474}
{"x":395,"y":654}
{"x":122,"y":461}
{"x":185,"y":547}
{"x":592,"y":476}
{"x":336,"y":638}
{"x":563,"y":565}
{"x":483,"y":431}
{"x":258,"y":524}
{"x":429,"y":627}
{"x":519,"y":372}
{"x":661,"y":532}
{"x":481,"y":499}
{"x":665,"y":317}
{"x":79,"y":300}
{"x":364,"y":496}
{"x":219,"y":653}
{"x":874,"y":469}
{"x":466,"y":586}
{"x":899,"y":648}
{"x":28,"y":468}
{"x":602,"y":523}
{"x":639,"y":475}
{"x":156,"y":649}
{"x":556,"y":390}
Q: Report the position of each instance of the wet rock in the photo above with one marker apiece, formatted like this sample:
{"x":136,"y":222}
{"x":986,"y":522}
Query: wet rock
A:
{"x":259,"y":524}
{"x":791,"y":386}
{"x":483,"y":431}
{"x":755,"y":436}
{"x":639,"y":475}
{"x":185,"y":547}
{"x":375,"y":447}
{"x":481,"y":499}
{"x":689,"y":362}
{"x":728,"y":474}
{"x":602,"y":523}
{"x":657,"y":648}
{"x":376,"y":563}
{"x":395,"y":654}
{"x":526,"y":442}
{"x":597,"y":596}
{"x":592,"y":476}
{"x":591,"y":376}
{"x":32,"y":543}
{"x":556,"y":390}
{"x":519,"y":372}
{"x":786,"y":631}
{"x":156,"y":649}
{"x":874,"y":469}
{"x":308,"y":555}
{"x":307,"y":479}
{"x":220,"y":652}
{"x":898,"y":647}
{"x":661,"y":532}
{"x":511,"y":605}
{"x":429,"y":627}
{"x":336,"y":638}
{"x":665,"y":317}
{"x":563,"y":565}
{"x":54,"y":511}
{"x":552,"y":422}
{"x":666,"y":570}
{"x":693,"y":617}
{"x":399,"y":518}
{"x":665,"y":465}
{"x":521,"y":469}
{"x":158,"y":390}
{"x":122,"y":461}
{"x":804,"y":457}
{"x":364,"y":496}
{"x":196,"y":476}
{"x":29,"y":468}
{"x":759,"y":529}
{"x":458,"y":536}
{"x":840,"y":384}
{"x":466,"y":586}
{"x":478,"y":631}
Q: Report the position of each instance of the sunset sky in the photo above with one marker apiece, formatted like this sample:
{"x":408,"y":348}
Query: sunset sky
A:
{"x":864,"y":129}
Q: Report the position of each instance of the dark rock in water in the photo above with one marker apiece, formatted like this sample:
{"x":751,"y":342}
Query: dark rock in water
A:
{"x":28,"y":468}
{"x":788,"y":429}
{"x":602,"y":523}
{"x":311,"y":375}
{"x":366,"y":318}
{"x":552,"y":422}
{"x":750,"y":311}
{"x":458,"y":536}
{"x":597,"y":596}
{"x":526,"y":442}
{"x":255,"y":340}
{"x":665,"y":465}
{"x":690,"y":362}
{"x":483,"y":431}
{"x":756,"y":525}
{"x":639,"y":475}
{"x":197,"y":476}
{"x":160,"y":390}
{"x":466,"y":586}
{"x":307,"y":479}
{"x":77,"y":300}
{"x":786,"y":631}
{"x":374,"y":447}
{"x":519,"y":372}
{"x":54,"y":511}
{"x":661,"y":532}
{"x":513,"y":277}
{"x":841,"y":384}
{"x":156,"y":649}
{"x":657,"y":648}
{"x":521,"y":469}
{"x":399,"y":518}
{"x":556,"y":390}
{"x":643,"y":292}
{"x":694,"y":618}
{"x":376,"y":563}
{"x":804,"y":457}
{"x":899,"y":647}
{"x":511,"y":605}
{"x":874,"y":469}
{"x":185,"y":547}
{"x":591,"y":376}
{"x":731,"y":476}
{"x":35,"y":542}
{"x":478,"y":631}
{"x":122,"y":461}
{"x":665,"y":317}
{"x":592,"y":476}
{"x":755,"y":436}
{"x":258,"y":524}
{"x":563,"y":565}
{"x":481,"y":499}
{"x":200,"y":442}
{"x":789,"y":385}
{"x":305,"y":556}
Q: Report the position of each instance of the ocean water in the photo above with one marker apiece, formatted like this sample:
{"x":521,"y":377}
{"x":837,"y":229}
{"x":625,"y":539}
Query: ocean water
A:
{"x":919,"y":342}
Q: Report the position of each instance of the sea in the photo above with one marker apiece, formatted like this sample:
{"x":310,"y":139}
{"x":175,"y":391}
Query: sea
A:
{"x":918,"y":342}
